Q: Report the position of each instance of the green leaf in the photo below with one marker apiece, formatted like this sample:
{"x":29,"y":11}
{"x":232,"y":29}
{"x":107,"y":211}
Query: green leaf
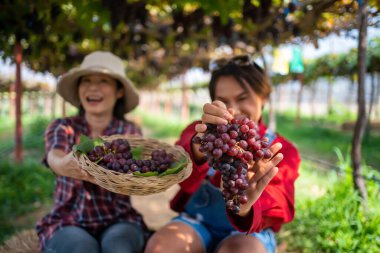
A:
{"x":146,"y":174}
{"x":98,"y":142}
{"x":85,"y":145}
{"x":177,"y":168}
{"x":136,"y":152}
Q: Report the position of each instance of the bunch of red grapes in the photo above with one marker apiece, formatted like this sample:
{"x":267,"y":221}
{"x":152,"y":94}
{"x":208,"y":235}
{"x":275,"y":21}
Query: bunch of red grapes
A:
{"x":117,"y":156}
{"x":230,"y":148}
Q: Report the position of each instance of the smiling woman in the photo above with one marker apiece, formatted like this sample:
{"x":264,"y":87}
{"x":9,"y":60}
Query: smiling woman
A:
{"x":98,"y":94}
{"x":239,"y":88}
{"x":86,"y":217}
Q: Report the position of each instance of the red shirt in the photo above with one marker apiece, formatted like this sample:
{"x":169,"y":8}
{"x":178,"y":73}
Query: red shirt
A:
{"x":80,"y":203}
{"x":276,"y":204}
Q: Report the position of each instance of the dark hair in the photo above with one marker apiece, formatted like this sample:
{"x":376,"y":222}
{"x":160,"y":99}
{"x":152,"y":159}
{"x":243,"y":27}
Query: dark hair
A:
{"x":118,"y":109}
{"x":247,"y":76}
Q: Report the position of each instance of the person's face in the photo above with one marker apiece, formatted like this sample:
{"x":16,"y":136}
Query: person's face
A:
{"x":98,"y":94}
{"x":247,"y":103}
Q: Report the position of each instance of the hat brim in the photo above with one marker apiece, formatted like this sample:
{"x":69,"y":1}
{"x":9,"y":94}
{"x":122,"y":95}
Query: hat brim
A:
{"x":67,"y":86}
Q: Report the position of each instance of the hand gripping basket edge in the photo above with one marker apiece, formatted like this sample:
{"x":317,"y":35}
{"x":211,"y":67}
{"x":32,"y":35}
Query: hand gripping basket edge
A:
{"x":128,"y":184}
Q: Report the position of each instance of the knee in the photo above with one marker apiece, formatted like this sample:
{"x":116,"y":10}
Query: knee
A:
{"x":240,"y":245}
{"x":72,"y":239}
{"x":160,"y":242}
{"x":123,"y":238}
{"x":155,"y":244}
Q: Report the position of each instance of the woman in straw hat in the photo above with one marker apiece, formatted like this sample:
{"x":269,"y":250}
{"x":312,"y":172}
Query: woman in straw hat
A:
{"x":86,"y":217}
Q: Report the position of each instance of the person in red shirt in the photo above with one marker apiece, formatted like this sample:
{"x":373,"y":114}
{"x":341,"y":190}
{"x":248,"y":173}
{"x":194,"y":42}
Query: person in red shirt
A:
{"x":86,"y":217}
{"x":238,"y":87}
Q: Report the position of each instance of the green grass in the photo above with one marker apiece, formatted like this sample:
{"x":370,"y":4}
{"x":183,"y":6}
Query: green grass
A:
{"x":23,"y":189}
{"x":330,"y":216}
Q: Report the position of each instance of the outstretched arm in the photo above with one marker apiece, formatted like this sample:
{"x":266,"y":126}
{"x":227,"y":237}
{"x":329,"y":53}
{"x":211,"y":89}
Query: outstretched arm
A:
{"x":66,"y":165}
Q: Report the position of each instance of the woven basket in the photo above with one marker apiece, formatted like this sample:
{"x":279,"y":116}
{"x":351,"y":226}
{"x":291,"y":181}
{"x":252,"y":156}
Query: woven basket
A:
{"x":128,"y":184}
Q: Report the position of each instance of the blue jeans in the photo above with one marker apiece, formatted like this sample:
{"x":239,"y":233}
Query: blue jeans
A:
{"x":118,"y":238}
{"x":205,"y":213}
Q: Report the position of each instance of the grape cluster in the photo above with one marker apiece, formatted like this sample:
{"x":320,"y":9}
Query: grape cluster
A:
{"x":230,"y":148}
{"x":117,"y":156}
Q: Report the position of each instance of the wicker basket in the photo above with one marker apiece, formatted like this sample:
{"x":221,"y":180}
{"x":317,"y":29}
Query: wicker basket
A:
{"x":129,"y":184}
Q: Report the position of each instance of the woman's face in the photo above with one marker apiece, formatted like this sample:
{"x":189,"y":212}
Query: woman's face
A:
{"x":98,"y":94}
{"x":247,"y":103}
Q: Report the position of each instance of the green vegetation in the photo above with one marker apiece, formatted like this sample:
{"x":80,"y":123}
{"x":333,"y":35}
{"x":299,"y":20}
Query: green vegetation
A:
{"x":24,"y":188}
{"x":329,"y":215}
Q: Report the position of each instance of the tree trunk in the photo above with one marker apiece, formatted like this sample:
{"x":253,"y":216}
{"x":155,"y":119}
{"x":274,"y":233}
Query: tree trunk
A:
{"x":356,"y":155}
{"x":18,"y":88}
{"x":12,"y":102}
{"x":63,"y":108}
{"x":185,"y":104}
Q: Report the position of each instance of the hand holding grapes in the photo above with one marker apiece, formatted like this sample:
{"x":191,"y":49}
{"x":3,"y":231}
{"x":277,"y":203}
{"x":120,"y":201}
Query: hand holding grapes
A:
{"x":66,"y":165}
{"x":214,"y":113}
{"x":232,"y":146}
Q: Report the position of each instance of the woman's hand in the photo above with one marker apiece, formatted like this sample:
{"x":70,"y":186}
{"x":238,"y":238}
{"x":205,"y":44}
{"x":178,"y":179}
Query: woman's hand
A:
{"x":259,"y":176}
{"x":66,"y":165}
{"x":214,"y":113}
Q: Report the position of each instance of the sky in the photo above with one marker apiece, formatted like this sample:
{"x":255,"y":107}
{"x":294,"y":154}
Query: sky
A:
{"x":330,"y":44}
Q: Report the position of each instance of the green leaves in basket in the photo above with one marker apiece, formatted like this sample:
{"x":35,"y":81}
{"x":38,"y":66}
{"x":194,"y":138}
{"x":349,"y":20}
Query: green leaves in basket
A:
{"x":137,"y":152}
{"x":177,"y":168}
{"x":86,"y":144}
{"x":146,"y":174}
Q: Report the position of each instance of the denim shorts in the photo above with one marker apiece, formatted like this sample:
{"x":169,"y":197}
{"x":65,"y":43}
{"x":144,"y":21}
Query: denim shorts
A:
{"x":206,"y":213}
{"x":211,"y":240}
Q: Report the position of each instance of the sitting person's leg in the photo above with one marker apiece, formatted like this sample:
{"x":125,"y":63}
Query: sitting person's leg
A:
{"x":263,"y":242}
{"x":175,"y":237}
{"x":71,"y":239}
{"x":122,"y":238}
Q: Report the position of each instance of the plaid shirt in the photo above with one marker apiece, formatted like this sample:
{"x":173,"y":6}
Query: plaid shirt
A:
{"x":80,"y":203}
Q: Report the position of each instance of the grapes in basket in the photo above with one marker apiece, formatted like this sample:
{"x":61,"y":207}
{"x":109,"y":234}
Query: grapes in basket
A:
{"x":230,"y":148}
{"x":119,"y":156}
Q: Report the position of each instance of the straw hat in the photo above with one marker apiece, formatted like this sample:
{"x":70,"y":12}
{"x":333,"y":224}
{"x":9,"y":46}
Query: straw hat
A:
{"x":95,"y":63}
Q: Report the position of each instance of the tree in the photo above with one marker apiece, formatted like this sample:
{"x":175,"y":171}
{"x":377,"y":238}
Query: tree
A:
{"x":359,"y":181}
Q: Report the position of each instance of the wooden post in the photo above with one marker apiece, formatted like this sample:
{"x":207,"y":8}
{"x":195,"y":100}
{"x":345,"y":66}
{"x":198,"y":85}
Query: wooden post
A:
{"x":185,"y":103}
{"x":12,"y":89}
{"x":63,"y":108}
{"x":18,"y":88}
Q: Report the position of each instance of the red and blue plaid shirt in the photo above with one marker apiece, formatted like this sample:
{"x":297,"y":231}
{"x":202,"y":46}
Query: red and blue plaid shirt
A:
{"x":80,"y":203}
